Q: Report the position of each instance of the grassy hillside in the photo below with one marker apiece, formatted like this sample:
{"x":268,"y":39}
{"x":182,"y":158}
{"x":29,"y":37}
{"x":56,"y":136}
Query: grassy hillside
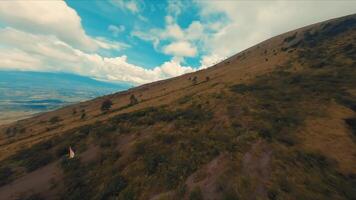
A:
{"x":276,"y":121}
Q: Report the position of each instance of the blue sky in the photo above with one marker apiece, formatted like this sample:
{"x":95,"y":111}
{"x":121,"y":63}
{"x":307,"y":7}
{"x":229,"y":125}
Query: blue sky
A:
{"x":140,"y":41}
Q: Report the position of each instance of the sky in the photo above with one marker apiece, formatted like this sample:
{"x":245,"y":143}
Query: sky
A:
{"x":138,"y":41}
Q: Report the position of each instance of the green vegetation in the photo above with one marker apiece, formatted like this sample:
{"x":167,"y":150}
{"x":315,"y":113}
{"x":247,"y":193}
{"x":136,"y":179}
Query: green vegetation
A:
{"x":5,"y":175}
{"x":133,"y":100}
{"x":196,"y":194}
{"x":106,"y":105}
{"x":54,"y":120}
{"x":352,"y":123}
{"x":32,"y":197}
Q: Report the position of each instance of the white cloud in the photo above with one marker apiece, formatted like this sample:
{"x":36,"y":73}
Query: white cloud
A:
{"x":130,"y":5}
{"x":48,"y":36}
{"x":181,"y":49}
{"x":108,"y":44}
{"x":33,"y":52}
{"x":250,"y":22}
{"x":116,"y":30}
{"x":50,"y":17}
{"x":174,"y":7}
{"x":195,"y":31}
{"x":182,"y":42}
{"x":209,"y":60}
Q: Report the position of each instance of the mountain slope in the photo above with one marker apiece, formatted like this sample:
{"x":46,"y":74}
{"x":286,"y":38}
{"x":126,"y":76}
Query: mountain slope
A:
{"x":276,"y":121}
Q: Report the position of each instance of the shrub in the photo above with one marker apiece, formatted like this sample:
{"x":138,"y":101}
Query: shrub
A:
{"x":352,"y":123}
{"x":290,"y":38}
{"x":37,"y":161}
{"x":196,"y":194}
{"x":83,"y":116}
{"x":54,"y":119}
{"x":114,"y":187}
{"x":32,"y":197}
{"x":195,"y":80}
{"x":133,"y":100}
{"x":5,"y":175}
{"x":106,"y":105}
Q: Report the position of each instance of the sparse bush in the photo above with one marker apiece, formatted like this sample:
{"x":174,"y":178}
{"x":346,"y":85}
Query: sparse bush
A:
{"x":83,"y":115}
{"x":133,"y":100}
{"x":32,"y":197}
{"x":54,"y":119}
{"x":195,"y":80}
{"x":352,"y":123}
{"x":290,"y":38}
{"x":5,"y":175}
{"x":196,"y":194}
{"x":37,"y":161}
{"x":114,"y":187}
{"x":207,"y":78}
{"x":106,"y":105}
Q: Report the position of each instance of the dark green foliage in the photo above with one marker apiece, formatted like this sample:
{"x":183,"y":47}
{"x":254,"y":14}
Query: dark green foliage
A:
{"x":5,"y":175}
{"x":243,"y":88}
{"x":334,"y":28}
{"x":196,"y":194}
{"x":35,"y":162}
{"x":54,"y":119}
{"x":74,"y":179}
{"x":149,"y":116}
{"x":290,"y":38}
{"x":317,"y":176}
{"x":106,"y":105}
{"x":35,"y":157}
{"x":133,"y":100}
{"x":32,"y":197}
{"x":195,"y":80}
{"x":184,"y":99}
{"x":352,"y":123}
{"x":82,"y":116}
{"x":114,"y":187}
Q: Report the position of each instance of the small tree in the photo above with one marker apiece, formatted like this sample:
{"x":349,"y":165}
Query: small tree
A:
{"x":83,"y":115}
{"x":106,"y":105}
{"x":54,"y":119}
{"x":133,"y":100}
{"x":195,"y":79}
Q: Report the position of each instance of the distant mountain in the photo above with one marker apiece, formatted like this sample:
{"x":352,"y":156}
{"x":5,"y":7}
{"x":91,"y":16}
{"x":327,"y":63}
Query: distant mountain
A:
{"x":33,"y":92}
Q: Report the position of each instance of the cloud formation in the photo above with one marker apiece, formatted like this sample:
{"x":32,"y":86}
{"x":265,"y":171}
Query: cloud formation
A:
{"x":51,"y":17}
{"x":251,"y":22}
{"x":31,"y":52}
{"x":116,"y":30}
{"x":49,"y":36}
